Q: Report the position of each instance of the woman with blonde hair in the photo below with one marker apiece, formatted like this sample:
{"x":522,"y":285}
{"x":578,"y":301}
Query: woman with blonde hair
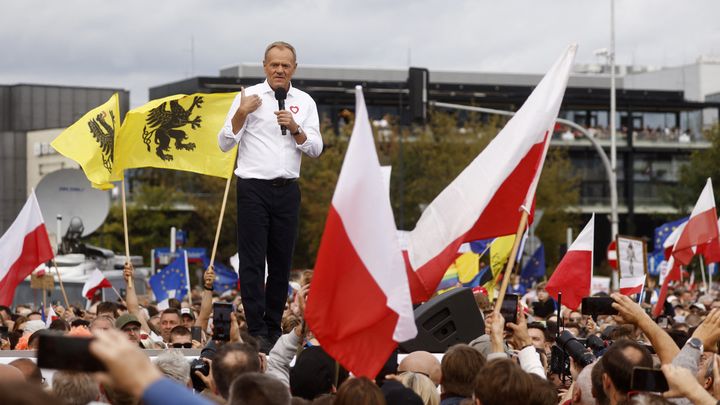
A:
{"x":421,"y":385}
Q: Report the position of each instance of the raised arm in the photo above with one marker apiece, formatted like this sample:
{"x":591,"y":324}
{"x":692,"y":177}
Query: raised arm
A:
{"x":632,"y":313}
{"x":207,"y":295}
{"x":131,"y":299}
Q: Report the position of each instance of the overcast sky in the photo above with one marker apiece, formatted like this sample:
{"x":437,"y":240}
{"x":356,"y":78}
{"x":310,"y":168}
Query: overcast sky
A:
{"x":139,"y":44}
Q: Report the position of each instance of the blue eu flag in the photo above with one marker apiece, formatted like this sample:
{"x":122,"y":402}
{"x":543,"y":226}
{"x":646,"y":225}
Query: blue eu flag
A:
{"x":225,"y":277}
{"x":663,"y":231}
{"x":171,"y":280}
{"x":534,"y":269}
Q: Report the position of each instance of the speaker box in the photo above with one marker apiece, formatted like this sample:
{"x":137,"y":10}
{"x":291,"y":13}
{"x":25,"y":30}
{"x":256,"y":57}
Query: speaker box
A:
{"x":446,"y":320}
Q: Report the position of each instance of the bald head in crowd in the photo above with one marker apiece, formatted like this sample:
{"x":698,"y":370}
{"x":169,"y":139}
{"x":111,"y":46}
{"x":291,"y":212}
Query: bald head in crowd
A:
{"x":9,"y":374}
{"x":582,"y":389}
{"x":424,"y":363}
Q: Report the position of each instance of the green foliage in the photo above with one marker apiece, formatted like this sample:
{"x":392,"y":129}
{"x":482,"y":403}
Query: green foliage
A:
{"x":703,"y":164}
{"x":425,"y":160}
{"x":557,"y":191}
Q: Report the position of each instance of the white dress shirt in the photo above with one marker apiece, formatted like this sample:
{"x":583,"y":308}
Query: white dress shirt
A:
{"x":264,"y":153}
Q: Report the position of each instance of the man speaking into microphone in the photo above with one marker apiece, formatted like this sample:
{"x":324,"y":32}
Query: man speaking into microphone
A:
{"x":271,"y":139}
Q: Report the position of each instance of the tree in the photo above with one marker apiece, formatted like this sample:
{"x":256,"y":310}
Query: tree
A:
{"x":703,"y":164}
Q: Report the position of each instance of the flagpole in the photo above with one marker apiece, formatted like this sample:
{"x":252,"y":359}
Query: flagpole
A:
{"x":511,"y":260}
{"x":187,"y":276}
{"x":702,"y":271}
{"x":125,"y":225}
{"x":219,"y":226}
{"x":62,"y":288}
{"x":118,"y":294}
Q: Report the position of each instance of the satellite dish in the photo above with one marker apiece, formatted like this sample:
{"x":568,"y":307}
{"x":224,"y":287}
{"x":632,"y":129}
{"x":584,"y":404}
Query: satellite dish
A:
{"x":67,"y":192}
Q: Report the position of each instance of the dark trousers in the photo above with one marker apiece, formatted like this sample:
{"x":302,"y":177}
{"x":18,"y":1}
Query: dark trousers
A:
{"x":267,"y":213}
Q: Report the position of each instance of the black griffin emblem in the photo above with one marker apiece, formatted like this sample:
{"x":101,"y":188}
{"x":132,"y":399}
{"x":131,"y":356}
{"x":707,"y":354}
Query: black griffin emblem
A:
{"x":104,"y":134}
{"x":164,"y":126}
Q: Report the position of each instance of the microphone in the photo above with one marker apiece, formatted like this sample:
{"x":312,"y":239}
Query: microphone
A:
{"x":280,"y":95}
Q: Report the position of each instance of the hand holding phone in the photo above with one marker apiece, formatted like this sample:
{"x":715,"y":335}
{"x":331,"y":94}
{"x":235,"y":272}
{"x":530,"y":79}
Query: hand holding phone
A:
{"x":509,"y":307}
{"x":67,"y":353}
{"x":648,"y":380}
{"x":598,"y":306}
{"x":221,"y":321}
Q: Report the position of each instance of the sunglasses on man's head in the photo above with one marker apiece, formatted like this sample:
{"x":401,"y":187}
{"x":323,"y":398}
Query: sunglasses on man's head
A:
{"x":187,"y":345}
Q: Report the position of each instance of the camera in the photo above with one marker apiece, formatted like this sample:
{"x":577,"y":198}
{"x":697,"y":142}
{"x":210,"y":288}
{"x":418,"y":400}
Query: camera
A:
{"x":203,"y":368}
{"x":568,"y":346}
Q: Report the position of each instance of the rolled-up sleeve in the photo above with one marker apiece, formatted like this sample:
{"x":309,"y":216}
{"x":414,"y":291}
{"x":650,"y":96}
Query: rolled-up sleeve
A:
{"x":313,"y":145}
{"x":227,"y":139}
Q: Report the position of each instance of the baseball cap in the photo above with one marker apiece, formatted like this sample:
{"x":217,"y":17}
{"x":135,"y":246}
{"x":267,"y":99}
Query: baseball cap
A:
{"x":125,"y":319}
{"x":188,"y":312}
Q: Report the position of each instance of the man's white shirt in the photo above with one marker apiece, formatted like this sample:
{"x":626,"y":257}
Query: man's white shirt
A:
{"x":264,"y":153}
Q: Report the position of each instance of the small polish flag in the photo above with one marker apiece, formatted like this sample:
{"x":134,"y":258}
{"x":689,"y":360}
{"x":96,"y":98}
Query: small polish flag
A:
{"x":701,"y":229}
{"x":573,"y":275}
{"x":96,"y":281}
{"x":51,"y":316}
{"x":632,"y":285}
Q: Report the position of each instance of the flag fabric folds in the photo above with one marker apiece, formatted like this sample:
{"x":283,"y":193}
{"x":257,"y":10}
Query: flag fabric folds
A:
{"x":673,"y":273}
{"x":573,"y":275}
{"x":663,"y":231}
{"x":534,"y":269}
{"x":170,"y":282}
{"x":487,"y":198}
{"x":500,"y":251}
{"x":90,"y":142}
{"x":701,"y":230}
{"x":95,"y":282}
{"x":23,"y":247}
{"x":359,"y":267}
{"x":225,"y":277}
{"x":177,"y":132}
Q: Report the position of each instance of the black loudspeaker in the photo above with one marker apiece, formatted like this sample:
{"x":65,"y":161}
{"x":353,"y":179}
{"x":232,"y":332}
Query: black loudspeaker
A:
{"x":446,"y":320}
{"x":418,"y":79}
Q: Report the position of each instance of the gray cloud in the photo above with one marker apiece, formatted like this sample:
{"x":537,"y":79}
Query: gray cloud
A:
{"x":135,"y":44}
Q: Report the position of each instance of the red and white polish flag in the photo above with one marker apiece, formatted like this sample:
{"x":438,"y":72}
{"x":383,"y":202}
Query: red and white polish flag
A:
{"x":95,"y":282}
{"x":23,"y":247}
{"x":485,"y":200}
{"x":359,"y":302}
{"x":632,"y":285}
{"x":51,"y":316}
{"x":673,"y":273}
{"x":573,"y":275}
{"x":701,"y":229}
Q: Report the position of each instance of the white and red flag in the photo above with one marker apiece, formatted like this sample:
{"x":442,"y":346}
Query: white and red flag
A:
{"x":701,"y":229}
{"x":23,"y":247}
{"x":632,"y":285}
{"x":673,"y":273}
{"x":359,"y":302}
{"x":486,"y":200}
{"x":51,"y":316}
{"x":95,"y":282}
{"x":573,"y":275}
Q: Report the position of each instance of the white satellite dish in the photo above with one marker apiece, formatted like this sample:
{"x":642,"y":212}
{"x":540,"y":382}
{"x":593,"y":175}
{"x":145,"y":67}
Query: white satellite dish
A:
{"x":67,"y":192}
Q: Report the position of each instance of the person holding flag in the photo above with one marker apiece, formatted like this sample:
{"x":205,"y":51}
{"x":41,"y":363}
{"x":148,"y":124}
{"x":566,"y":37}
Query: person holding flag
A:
{"x":270,"y":143}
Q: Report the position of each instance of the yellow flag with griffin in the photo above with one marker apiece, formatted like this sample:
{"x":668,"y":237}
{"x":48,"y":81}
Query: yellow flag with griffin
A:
{"x":178,"y":132}
{"x":90,"y":141}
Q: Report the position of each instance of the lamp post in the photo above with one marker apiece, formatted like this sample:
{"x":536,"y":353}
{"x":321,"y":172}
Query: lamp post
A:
{"x":613,"y":135}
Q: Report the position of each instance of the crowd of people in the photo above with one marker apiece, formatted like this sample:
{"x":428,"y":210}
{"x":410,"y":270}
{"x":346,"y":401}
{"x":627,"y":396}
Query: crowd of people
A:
{"x":548,"y":356}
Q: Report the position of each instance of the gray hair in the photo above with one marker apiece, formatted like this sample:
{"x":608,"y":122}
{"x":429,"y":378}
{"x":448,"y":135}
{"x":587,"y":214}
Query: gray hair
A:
{"x":75,"y":388}
{"x":173,"y":364}
{"x":279,"y":44}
